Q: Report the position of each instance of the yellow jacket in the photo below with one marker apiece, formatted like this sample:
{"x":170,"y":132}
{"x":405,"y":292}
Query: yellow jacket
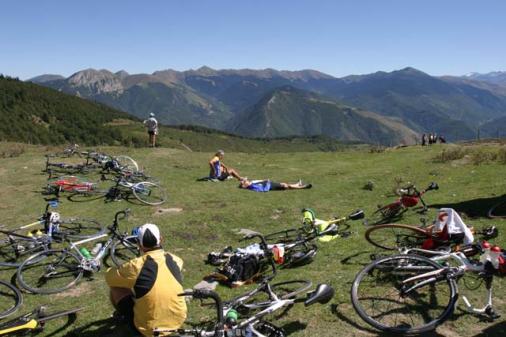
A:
{"x":155,"y":280}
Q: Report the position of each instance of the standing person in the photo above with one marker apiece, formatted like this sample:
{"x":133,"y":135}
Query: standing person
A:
{"x":145,"y":290}
{"x":424,"y":139}
{"x":220,"y":171}
{"x":152,"y":125}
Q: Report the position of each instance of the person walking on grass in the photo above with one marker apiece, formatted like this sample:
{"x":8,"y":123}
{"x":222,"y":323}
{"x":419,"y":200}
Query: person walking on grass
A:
{"x":220,"y":171}
{"x":152,"y":125}
{"x":144,"y":291}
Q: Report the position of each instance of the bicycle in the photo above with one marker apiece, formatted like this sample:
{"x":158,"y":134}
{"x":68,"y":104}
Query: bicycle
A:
{"x":16,"y":247}
{"x":11,"y":299}
{"x":147,"y":192}
{"x":34,"y":321}
{"x":395,"y":236}
{"x":410,"y":196}
{"x":416,"y":293}
{"x":228,"y":323}
{"x":56,"y":270}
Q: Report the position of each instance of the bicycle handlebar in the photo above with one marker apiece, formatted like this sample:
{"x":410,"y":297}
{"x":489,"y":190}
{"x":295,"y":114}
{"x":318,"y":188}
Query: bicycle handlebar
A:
{"x":204,"y":294}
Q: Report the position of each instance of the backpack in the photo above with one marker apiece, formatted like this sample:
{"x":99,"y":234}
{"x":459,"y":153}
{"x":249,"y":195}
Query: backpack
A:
{"x":241,"y":268}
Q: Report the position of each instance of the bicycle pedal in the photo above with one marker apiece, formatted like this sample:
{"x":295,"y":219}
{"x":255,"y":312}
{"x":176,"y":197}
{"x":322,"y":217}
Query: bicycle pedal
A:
{"x":492,"y":314}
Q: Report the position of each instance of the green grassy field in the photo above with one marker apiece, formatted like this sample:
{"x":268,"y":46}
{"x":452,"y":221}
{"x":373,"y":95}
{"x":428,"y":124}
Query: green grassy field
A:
{"x":213,"y":212}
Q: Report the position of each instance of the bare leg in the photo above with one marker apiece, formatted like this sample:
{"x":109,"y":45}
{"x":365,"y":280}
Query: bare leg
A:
{"x":234,"y":174}
{"x":296,"y":186}
{"x":154,"y":141}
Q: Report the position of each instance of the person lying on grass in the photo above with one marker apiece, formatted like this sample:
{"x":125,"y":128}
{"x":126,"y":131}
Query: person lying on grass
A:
{"x":144,"y":291}
{"x":268,"y":185}
{"x":218,"y":170}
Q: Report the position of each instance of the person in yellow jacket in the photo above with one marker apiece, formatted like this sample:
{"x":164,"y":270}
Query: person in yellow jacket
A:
{"x":144,"y":290}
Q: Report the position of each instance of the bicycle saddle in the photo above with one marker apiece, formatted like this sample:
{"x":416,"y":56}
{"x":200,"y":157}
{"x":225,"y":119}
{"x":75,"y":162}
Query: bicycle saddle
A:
{"x":322,"y":295}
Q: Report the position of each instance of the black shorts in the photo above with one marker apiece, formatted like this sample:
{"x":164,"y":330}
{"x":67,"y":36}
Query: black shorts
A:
{"x":151,"y":133}
{"x":223,"y":176}
{"x":126,"y":308}
{"x":276,"y":186}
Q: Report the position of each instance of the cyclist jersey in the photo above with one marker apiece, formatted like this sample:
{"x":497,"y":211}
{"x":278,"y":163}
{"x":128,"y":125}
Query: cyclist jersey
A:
{"x":152,"y":124}
{"x":155,"y":281}
{"x":260,"y":186}
{"x":217,"y":169}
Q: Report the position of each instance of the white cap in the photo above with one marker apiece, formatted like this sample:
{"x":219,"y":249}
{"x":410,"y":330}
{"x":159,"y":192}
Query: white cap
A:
{"x":151,"y":114}
{"x":149,"y":235}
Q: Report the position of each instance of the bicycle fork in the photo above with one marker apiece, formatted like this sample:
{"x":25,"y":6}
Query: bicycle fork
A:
{"x":488,"y":309}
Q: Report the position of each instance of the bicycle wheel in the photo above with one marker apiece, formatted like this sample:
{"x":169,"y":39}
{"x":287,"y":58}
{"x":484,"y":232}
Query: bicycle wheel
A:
{"x":55,"y":271}
{"x":395,"y":236}
{"x":127,"y":164}
{"x":285,"y":236}
{"x":124,"y":250}
{"x":377,"y":297}
{"x":284,"y":290}
{"x":498,"y":210}
{"x":14,"y":250}
{"x":385,"y":213}
{"x":11,"y":299}
{"x":299,"y":255}
{"x":149,"y":193}
{"x":76,"y":228}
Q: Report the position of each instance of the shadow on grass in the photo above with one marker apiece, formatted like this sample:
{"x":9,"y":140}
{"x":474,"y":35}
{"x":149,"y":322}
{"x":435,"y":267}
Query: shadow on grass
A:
{"x":345,"y":317}
{"x":496,"y":330}
{"x":474,"y":208}
{"x":106,"y":327}
{"x":293,"y":327}
{"x":362,"y":258}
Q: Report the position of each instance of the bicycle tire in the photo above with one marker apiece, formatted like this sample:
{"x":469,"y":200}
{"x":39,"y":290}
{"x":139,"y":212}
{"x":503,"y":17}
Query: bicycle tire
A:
{"x":14,"y":250}
{"x":8,"y":307}
{"x":127,"y":164}
{"x":48,"y":261}
{"x":77,"y":228}
{"x":124,"y":250}
{"x":285,"y":236}
{"x":149,"y":193}
{"x":418,"y":235}
{"x":284,"y":290}
{"x":491,"y":212}
{"x":385,"y":213}
{"x":384,"y":265}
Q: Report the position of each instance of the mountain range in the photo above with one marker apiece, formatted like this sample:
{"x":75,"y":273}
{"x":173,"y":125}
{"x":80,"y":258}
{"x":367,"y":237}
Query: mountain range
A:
{"x":272,"y":103}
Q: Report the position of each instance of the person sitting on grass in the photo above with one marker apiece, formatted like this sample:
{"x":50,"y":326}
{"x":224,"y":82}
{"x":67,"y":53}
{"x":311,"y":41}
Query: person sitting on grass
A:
{"x":268,"y":185}
{"x":145,"y":290}
{"x":218,"y":170}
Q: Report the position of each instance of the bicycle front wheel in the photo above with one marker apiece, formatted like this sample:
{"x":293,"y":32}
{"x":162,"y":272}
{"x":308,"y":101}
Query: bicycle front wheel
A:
{"x":11,"y":299}
{"x":14,"y":250}
{"x":380,"y":296}
{"x":124,"y":250}
{"x":54,"y":271}
{"x":149,"y":193}
{"x":127,"y":164}
{"x":395,"y":236}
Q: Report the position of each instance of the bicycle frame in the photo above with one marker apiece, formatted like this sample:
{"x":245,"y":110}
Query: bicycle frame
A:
{"x":464,"y":265}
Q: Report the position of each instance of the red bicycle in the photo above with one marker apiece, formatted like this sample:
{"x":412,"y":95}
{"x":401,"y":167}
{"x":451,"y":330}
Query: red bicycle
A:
{"x":410,"y":197}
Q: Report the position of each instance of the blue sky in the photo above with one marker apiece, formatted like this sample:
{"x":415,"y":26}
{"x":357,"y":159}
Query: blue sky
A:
{"x":336,"y":37}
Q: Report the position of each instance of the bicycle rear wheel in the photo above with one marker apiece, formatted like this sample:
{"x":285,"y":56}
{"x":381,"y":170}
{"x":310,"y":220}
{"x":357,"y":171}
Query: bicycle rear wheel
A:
{"x":54,"y":271}
{"x":385,"y":213}
{"x":285,"y":236}
{"x":14,"y":250}
{"x":377,"y":296}
{"x":11,"y":299}
{"x":149,"y":193}
{"x":395,"y":236}
{"x":76,"y":228}
{"x":127,"y":164}
{"x":124,"y":250}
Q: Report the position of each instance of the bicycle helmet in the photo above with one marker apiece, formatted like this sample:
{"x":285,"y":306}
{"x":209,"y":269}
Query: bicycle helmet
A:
{"x":149,"y":236}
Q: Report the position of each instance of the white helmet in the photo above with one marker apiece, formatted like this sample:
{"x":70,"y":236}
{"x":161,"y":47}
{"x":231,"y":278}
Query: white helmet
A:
{"x":149,"y":236}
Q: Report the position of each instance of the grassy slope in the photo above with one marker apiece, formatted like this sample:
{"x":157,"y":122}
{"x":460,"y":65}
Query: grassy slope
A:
{"x":213,"y":211}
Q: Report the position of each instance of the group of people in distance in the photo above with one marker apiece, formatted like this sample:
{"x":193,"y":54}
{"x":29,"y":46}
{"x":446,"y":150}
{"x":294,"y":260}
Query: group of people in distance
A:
{"x":219,"y":171}
{"x":432,"y":138}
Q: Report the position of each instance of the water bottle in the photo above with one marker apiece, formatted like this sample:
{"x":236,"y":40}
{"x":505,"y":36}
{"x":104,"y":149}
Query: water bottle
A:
{"x":486,"y":252}
{"x":495,"y":252}
{"x":85,"y":253}
{"x":96,"y":249}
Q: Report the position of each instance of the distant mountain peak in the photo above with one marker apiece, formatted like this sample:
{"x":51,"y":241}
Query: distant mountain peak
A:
{"x":98,"y":81}
{"x":46,"y":78}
